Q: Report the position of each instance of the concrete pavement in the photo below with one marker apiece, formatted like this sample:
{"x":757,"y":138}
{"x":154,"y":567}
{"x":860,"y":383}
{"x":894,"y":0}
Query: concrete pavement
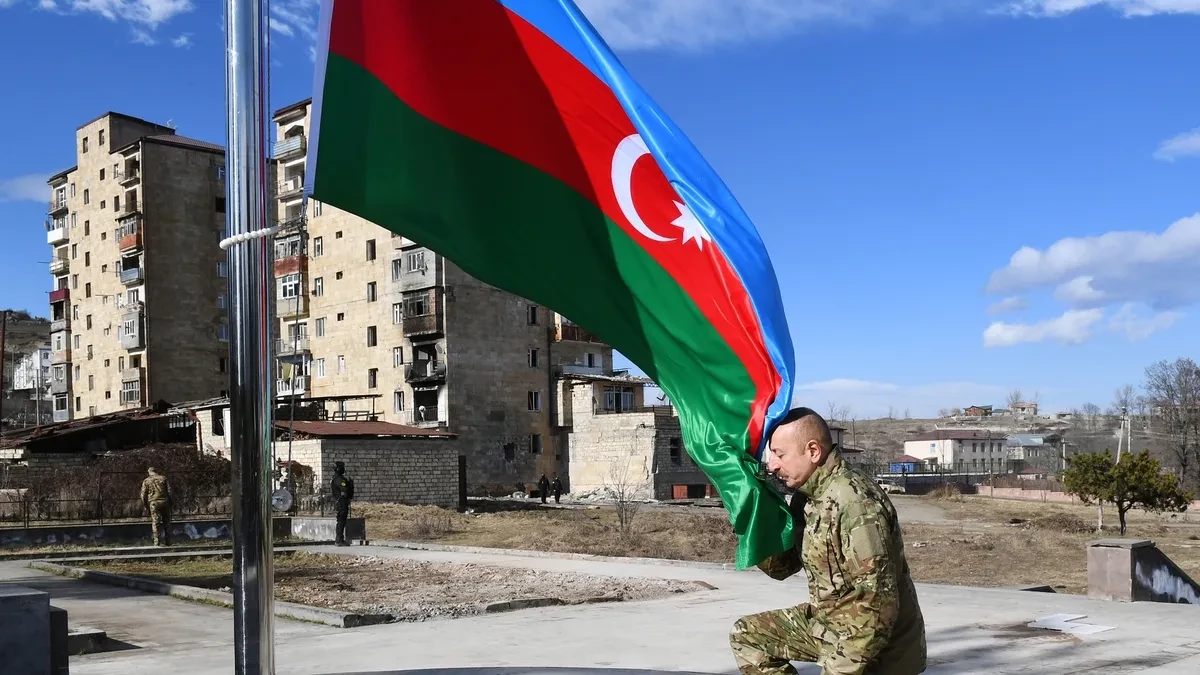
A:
{"x":970,"y":630}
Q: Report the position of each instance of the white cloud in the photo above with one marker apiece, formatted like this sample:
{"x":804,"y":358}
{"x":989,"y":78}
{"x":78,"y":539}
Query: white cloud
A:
{"x":1161,"y":269}
{"x":1073,"y":327}
{"x":47,"y":5}
{"x":1136,"y":323}
{"x":1186,"y":144}
{"x":868,"y":399}
{"x":1127,"y":8}
{"x":183,"y":41}
{"x":31,"y":187}
{"x":142,"y":37}
{"x":1013,"y":303}
{"x":280,"y":27}
{"x":148,"y":13}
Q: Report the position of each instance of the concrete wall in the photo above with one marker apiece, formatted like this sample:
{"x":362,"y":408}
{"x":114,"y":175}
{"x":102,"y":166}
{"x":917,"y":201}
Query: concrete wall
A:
{"x":406,"y":471}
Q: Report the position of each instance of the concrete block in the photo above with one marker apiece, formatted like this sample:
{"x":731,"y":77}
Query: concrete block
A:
{"x":60,"y":642}
{"x":1135,"y":570}
{"x":24,"y":631}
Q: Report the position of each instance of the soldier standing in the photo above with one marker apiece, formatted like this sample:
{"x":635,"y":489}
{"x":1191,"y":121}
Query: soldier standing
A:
{"x":863,"y":617}
{"x":556,"y":488}
{"x":543,"y":487}
{"x":156,"y":497}
{"x":342,"y":489}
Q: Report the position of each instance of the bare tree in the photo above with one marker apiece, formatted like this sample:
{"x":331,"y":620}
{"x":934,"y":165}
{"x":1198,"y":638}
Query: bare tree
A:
{"x":891,"y":414}
{"x":1173,"y":396}
{"x":837,"y":412}
{"x":955,"y":412}
{"x":1014,"y":399}
{"x":1091,"y":415}
{"x":943,"y":412}
{"x":628,"y":491}
{"x":907,"y":416}
{"x":1124,"y":399}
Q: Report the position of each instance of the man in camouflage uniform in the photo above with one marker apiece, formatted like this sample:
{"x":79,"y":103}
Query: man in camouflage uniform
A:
{"x":863,"y":617}
{"x":156,"y":497}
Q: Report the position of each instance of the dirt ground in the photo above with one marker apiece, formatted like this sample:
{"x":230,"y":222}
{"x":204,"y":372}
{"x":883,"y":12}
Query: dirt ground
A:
{"x":990,"y":542}
{"x":407,"y":590}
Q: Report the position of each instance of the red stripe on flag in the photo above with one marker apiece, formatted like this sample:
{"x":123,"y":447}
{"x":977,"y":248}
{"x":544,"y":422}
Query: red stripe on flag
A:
{"x":477,"y":69}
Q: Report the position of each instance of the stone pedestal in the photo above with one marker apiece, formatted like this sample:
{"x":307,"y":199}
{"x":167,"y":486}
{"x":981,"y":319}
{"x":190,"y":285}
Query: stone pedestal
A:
{"x":1134,"y":570}
{"x":24,"y":631}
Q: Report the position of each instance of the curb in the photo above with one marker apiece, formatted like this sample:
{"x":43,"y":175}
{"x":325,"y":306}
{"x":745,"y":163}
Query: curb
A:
{"x":289,"y":610}
{"x":449,"y":548}
{"x":164,"y":555}
{"x":121,"y":551}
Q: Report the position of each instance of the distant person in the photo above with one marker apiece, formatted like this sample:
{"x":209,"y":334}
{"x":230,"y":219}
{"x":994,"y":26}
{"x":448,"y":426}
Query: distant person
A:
{"x":557,"y":488}
{"x":862,"y":616}
{"x":543,"y":487}
{"x":341,"y":487}
{"x":156,"y":497}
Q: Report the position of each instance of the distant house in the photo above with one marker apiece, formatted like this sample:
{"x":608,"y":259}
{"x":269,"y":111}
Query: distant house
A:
{"x":905,"y":464}
{"x":969,"y":450}
{"x":1025,"y":409}
{"x":978,"y":411}
{"x":1033,"y":451}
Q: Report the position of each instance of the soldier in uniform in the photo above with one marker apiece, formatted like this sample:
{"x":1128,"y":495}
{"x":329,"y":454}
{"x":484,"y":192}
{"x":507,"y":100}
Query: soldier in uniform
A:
{"x":156,"y":497}
{"x":543,"y":488}
{"x":863,"y":617}
{"x":556,"y":488}
{"x":342,"y":490}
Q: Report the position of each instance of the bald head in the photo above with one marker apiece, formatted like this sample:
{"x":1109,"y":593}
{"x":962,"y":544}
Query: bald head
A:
{"x":799,"y":444}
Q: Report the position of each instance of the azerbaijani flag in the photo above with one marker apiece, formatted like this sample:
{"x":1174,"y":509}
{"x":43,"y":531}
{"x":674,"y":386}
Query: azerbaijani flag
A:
{"x":506,"y":136}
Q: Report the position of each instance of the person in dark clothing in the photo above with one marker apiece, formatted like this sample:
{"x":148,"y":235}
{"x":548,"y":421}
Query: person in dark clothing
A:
{"x":543,"y":487}
{"x":557,"y":488}
{"x":342,"y":490}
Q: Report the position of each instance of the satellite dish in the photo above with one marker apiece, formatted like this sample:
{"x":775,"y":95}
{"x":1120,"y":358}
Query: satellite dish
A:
{"x":281,"y":500}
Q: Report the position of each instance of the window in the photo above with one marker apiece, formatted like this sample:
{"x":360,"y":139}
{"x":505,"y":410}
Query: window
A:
{"x":74,"y":252}
{"x":370,"y":249}
{"x":341,"y":316}
{"x":131,"y":392}
{"x":397,"y":357}
{"x":129,"y":328}
{"x":87,"y":197}
{"x":371,"y":337}
{"x":89,"y":321}
{"x":338,"y":275}
{"x":535,"y":400}
{"x":398,"y":401}
{"x":223,"y":332}
{"x":535,"y":444}
{"x":75,"y":312}
{"x":372,"y":378}
{"x":219,"y":172}
{"x":87,"y":290}
{"x":397,"y":269}
{"x":75,"y":220}
{"x":106,"y":327}
{"x":117,"y":203}
{"x":534,"y":319}
{"x":100,"y":140}
{"x":91,"y":382}
{"x":222,"y":365}
{"x":318,"y":367}
{"x":107,"y":395}
{"x":320,"y":327}
{"x":222,"y":269}
{"x":219,"y":206}
{"x":287,"y":248}
{"x":103,"y":234}
{"x":121,"y":363}
{"x":104,"y":270}
{"x":533,"y":358}
{"x":676,"y":451}
{"x":72,"y":189}
{"x":416,"y":261}
{"x":316,"y":207}
{"x":591,"y":360}
{"x":89,"y":352}
{"x":974,"y":447}
{"x":337,"y":235}
{"x":87,"y":258}
{"x":78,"y":373}
{"x":397,"y":313}
{"x":289,"y":286}
{"x":134,"y":296}
{"x":341,"y":364}
{"x":101,"y":174}
{"x":371,"y":294}
{"x":85,"y":149}
{"x":103,"y":203}
{"x":415,"y":305}
{"x":222,"y":301}
{"x":318,"y":247}
{"x":319,"y":286}
{"x":78,"y":341}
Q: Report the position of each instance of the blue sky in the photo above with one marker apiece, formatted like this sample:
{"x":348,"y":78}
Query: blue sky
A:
{"x":961,"y":197}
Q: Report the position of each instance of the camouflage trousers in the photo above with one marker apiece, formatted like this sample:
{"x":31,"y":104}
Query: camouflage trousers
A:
{"x":160,"y":522}
{"x":766,"y":643}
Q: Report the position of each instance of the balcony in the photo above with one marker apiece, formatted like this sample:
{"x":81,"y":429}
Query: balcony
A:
{"x":426,"y":416}
{"x":60,"y":385}
{"x":130,"y":176}
{"x":129,"y":235}
{"x":60,"y":325}
{"x":131,"y":276}
{"x":424,"y":325}
{"x":293,"y":264}
{"x":56,"y":234}
{"x":292,"y":346}
{"x":290,"y":148}
{"x":63,"y":415}
{"x":60,"y":295}
{"x":297,"y":386}
{"x":425,"y":371}
{"x":290,"y":188}
{"x":57,"y":206}
{"x":61,"y":356}
{"x":131,"y":206}
{"x":290,"y":308}
{"x":569,"y":332}
{"x":131,"y":395}
{"x":60,"y":266}
{"x":131,"y":334}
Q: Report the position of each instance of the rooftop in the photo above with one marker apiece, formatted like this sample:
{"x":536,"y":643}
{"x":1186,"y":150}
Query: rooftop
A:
{"x":959,"y":435}
{"x":326,"y":429}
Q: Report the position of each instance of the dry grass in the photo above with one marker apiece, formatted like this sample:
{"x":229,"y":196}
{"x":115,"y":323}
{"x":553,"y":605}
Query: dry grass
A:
{"x":946,"y":492}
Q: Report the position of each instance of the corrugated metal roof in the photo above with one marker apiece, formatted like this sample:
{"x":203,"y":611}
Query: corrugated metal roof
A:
{"x":959,"y":435}
{"x":351,"y":428}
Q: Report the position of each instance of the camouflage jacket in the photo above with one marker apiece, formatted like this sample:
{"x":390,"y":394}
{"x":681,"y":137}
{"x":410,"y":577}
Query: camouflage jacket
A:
{"x":155,"y":489}
{"x":860,"y":590}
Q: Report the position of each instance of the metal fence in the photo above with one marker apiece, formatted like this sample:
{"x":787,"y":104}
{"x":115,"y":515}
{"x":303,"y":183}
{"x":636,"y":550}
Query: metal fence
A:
{"x":114,"y":497}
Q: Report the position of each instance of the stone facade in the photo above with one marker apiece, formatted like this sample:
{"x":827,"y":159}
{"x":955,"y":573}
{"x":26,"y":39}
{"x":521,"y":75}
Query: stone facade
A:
{"x":630,"y":444}
{"x":137,"y":308}
{"x":366,"y":311}
{"x":387,"y":470}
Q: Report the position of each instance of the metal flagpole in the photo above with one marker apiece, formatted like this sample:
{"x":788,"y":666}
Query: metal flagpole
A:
{"x":250,"y":392}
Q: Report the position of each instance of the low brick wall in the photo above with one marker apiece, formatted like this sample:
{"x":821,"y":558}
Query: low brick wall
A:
{"x":301,"y":527}
{"x":1040,"y":496}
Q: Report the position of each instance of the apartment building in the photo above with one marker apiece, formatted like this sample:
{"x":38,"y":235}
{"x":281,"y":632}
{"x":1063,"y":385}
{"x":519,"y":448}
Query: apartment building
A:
{"x":138,"y":305}
{"x":363,"y":310}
